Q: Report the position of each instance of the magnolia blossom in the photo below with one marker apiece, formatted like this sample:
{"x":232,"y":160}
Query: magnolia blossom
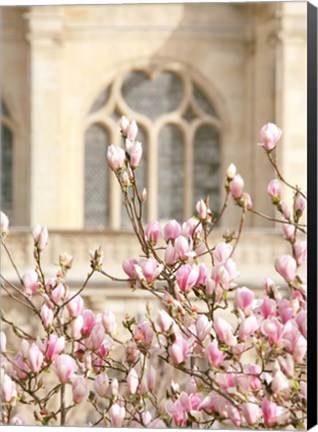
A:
{"x":237,"y":186}
{"x":299,"y":204}
{"x":64,"y":366}
{"x":153,"y":232}
{"x":79,"y":389}
{"x":147,"y":270}
{"x":30,"y":282}
{"x":101,"y":384}
{"x":117,"y":415}
{"x":186,"y":277}
{"x":244,"y":299}
{"x":178,"y":350}
{"x":40,"y":236}
{"x":286,"y":267}
{"x":201,"y":209}
{"x":270,"y":135}
{"x":115,"y":157}
{"x":274,"y":189}
{"x":132,"y":381}
{"x":109,"y":322}
{"x":269,"y":412}
{"x":171,"y":230}
{"x":224,"y":331}
{"x":214,"y":356}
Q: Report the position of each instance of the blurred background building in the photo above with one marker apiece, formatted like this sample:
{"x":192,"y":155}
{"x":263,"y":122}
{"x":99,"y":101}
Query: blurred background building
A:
{"x":200,"y":80}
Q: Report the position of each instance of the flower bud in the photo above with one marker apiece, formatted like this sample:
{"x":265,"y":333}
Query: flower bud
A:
{"x":132,"y":381}
{"x":269,"y":412}
{"x":171,"y":230}
{"x":8,"y":390}
{"x":286,"y":267}
{"x":79,"y":389}
{"x":178,"y":350}
{"x":224,"y":331}
{"x":54,"y":346}
{"x":201,"y":209}
{"x":124,"y":124}
{"x":299,"y":205}
{"x":186,"y":277}
{"x":75,"y":306}
{"x":244,"y":299}
{"x":76,"y":327}
{"x":213,"y":354}
{"x":125,"y":179}
{"x":35,"y":358}
{"x":47,"y":316}
{"x":300,"y":252}
{"x":203,"y":327}
{"x":151,"y":378}
{"x":132,"y":131}
{"x":153,"y":232}
{"x":64,"y":366}
{"x":115,"y":387}
{"x":285,"y":210}
{"x":135,"y":153}
{"x":269,"y":134}
{"x":164,"y":321}
{"x":4,"y":224}
{"x":117,"y":415}
{"x":115,"y":157}
{"x":144,"y":195}
{"x":101,"y":384}
{"x":280,"y":382}
{"x":109,"y":322}
{"x":274,"y":189}
{"x":289,"y":231}
{"x":41,"y":236}
{"x":251,"y":413}
{"x":237,"y":186}
{"x":30,"y":282}
{"x":170,"y":255}
{"x":231,"y":171}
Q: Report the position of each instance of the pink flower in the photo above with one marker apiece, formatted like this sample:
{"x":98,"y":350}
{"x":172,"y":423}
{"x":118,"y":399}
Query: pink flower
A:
{"x":96,"y":337}
{"x":244,"y":299}
{"x":268,"y":307}
{"x":248,"y":203}
{"x":75,"y":306}
{"x":299,"y":348}
{"x":8,"y":389}
{"x":101,"y":384}
{"x":171,"y":230}
{"x":115,"y":387}
{"x":203,"y":275}
{"x":109,"y":322}
{"x":186,"y":277}
{"x":269,"y":412}
{"x":299,"y":205}
{"x":237,"y":186}
{"x":124,"y":124}
{"x":301,"y":321}
{"x":129,"y":268}
{"x":300,"y":252}
{"x":79,"y":389}
{"x":132,"y":381}
{"x":248,"y":327}
{"x":35,"y":358}
{"x":148,"y":270}
{"x":4,"y":224}
{"x":224,"y":331}
{"x":40,"y":236}
{"x":153,"y":232}
{"x":89,"y":321}
{"x":134,"y":149}
{"x":132,"y":131}
{"x":286,"y":267}
{"x":251,"y":413}
{"x":289,"y":231}
{"x":64,"y":366}
{"x":58,"y":293}
{"x":151,"y":378}
{"x":287,"y":365}
{"x":223,"y":251}
{"x":76,"y":327}
{"x":272,"y":329}
{"x":203,"y":327}
{"x":177,"y":412}
{"x":170,"y":255}
{"x":183,"y":248}
{"x":144,"y":333}
{"x":115,"y":157}
{"x":30,"y":282}
{"x":54,"y":346}
{"x":178,"y":350}
{"x":269,"y":134}
{"x":117,"y":415}
{"x":274,"y":189}
{"x":201,"y":209}
{"x":47,"y":315}
{"x":285,"y":210}
{"x":213,"y":354}
{"x":280,"y":383}
{"x":164,"y":321}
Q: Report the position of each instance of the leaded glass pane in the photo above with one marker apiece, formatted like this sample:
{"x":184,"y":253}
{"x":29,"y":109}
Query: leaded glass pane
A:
{"x":6,"y":200}
{"x":152,"y":97}
{"x":96,"y":177}
{"x":141,"y":177}
{"x":171,"y":173}
{"x":206,"y":166}
{"x":100,"y":101}
{"x":203,"y":101}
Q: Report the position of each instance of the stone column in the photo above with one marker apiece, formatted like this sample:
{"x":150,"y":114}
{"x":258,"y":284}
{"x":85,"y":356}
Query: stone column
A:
{"x":45,"y":35}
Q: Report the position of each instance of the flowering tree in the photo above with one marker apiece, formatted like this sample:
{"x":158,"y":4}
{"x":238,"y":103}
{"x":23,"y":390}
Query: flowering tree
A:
{"x":244,"y":368}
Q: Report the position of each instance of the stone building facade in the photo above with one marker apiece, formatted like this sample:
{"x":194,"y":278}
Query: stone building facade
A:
{"x":200,"y":79}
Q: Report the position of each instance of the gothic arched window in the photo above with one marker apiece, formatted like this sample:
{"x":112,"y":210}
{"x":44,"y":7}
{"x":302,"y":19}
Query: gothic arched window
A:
{"x":180,"y":132}
{"x":6,"y":198}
